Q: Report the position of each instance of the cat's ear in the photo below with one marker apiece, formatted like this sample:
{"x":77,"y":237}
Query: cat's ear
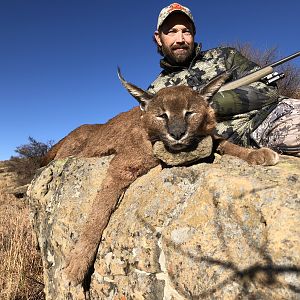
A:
{"x":212,"y":87}
{"x":142,"y":96}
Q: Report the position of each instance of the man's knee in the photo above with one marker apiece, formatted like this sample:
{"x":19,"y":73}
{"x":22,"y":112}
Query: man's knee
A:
{"x":283,"y":133}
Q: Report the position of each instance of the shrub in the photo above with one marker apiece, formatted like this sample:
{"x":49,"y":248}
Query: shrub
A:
{"x":29,"y":159}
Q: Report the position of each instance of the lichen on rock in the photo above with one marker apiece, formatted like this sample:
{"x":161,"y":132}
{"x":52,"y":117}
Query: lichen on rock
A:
{"x":225,"y":230}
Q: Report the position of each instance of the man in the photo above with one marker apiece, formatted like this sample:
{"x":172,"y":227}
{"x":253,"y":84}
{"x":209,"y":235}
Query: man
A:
{"x":253,"y":115}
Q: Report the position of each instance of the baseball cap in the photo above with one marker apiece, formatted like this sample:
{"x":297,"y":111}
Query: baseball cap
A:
{"x":166,"y":11}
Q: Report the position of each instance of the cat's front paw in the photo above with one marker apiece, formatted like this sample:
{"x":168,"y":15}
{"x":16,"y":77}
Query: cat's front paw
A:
{"x":263,"y":156}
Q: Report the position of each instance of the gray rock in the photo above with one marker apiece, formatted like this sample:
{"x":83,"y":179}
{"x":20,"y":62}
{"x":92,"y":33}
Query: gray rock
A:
{"x":225,"y":230}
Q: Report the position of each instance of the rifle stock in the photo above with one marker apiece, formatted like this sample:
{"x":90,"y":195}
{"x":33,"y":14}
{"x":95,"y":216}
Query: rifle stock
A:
{"x":257,"y":75}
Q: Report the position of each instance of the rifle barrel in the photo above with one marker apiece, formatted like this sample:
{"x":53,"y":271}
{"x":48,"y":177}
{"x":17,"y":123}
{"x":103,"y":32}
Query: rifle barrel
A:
{"x":277,"y":63}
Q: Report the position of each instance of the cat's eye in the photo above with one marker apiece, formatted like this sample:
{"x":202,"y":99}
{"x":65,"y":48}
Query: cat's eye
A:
{"x":163,"y":116}
{"x":188,"y":114}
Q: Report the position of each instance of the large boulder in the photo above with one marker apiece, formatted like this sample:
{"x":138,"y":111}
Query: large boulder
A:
{"x":224,"y":230}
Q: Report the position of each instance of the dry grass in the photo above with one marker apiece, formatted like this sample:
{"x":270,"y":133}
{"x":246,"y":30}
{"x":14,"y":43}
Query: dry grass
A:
{"x":21,"y":267}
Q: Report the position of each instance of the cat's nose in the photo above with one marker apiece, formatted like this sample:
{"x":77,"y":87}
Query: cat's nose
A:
{"x":177,"y":132}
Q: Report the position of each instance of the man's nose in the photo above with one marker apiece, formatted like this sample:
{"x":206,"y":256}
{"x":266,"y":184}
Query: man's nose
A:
{"x":179,"y":37}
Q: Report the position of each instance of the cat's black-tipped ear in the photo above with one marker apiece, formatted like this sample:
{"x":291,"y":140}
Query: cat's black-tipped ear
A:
{"x":215,"y":84}
{"x":143,"y":97}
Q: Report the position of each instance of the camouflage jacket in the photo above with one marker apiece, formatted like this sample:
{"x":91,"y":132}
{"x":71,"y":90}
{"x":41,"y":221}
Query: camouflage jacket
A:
{"x":239,"y":111}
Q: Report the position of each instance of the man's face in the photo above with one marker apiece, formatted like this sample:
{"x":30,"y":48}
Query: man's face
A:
{"x":176,"y":38}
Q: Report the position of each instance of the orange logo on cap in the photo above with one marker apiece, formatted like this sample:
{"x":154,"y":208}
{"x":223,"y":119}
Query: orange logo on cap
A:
{"x":175,"y":6}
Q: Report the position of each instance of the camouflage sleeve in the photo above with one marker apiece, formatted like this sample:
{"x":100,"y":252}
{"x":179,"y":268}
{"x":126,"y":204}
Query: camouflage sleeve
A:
{"x":246,"y":98}
{"x":150,"y":88}
{"x":157,"y":84}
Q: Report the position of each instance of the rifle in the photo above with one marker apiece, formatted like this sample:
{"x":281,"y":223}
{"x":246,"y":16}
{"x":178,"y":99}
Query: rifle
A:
{"x":266,"y":74}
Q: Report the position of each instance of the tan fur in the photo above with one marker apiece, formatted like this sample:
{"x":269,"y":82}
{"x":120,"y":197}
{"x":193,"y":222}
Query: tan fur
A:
{"x":175,"y":111}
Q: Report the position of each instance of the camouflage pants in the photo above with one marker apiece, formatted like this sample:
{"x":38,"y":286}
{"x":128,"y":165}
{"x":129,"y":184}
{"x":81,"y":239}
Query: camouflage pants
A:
{"x":280,"y":131}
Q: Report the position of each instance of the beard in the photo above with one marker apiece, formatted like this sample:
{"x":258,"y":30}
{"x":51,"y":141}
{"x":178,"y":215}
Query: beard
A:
{"x":179,"y":55}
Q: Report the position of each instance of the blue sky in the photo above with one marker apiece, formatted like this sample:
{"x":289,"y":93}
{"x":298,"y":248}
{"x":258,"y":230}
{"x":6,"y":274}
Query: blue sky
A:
{"x":58,"y":58}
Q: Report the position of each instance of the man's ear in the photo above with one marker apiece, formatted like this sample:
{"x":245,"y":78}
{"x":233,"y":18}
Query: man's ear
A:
{"x":157,"y":38}
{"x":143,"y":97}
